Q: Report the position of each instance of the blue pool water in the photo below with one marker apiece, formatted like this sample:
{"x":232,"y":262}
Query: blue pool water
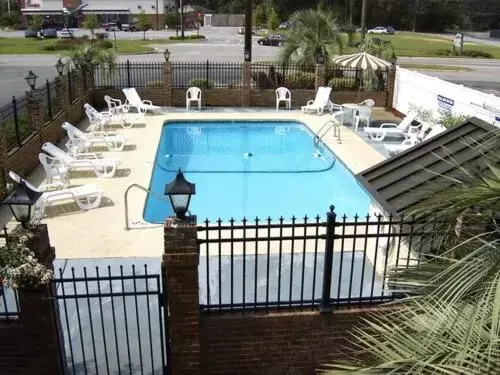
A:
{"x":248,"y":169}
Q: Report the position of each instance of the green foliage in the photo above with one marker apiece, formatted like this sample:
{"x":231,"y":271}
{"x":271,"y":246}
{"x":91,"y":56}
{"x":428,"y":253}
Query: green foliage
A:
{"x":143,"y":23}
{"x":91,"y":23}
{"x":313,"y":30}
{"x":378,"y":47}
{"x":202,"y":83}
{"x":12,"y":20}
{"x":105,"y":44}
{"x":273,"y":20}
{"x":100,"y":36}
{"x":449,"y":119}
{"x":9,"y":127}
{"x":89,"y":55}
{"x":36,"y":23}
{"x":450,"y":322}
{"x":301,"y":81}
{"x":343,"y":84}
{"x":174,"y":37}
{"x":260,"y":15}
{"x":172,"y":19}
{"x":63,"y":44}
{"x":467,"y":53}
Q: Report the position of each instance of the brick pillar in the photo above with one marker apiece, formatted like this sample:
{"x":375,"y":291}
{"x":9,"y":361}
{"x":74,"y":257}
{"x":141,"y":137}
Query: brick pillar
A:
{"x":36,"y":112}
{"x":180,"y":266}
{"x":3,"y":159}
{"x":391,"y":85}
{"x":246,"y":91}
{"x":62,"y":93}
{"x":320,"y":75}
{"x":39,"y":318}
{"x":167,"y":83}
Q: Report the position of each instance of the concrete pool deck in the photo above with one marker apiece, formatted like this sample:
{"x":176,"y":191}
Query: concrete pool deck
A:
{"x":101,"y":233}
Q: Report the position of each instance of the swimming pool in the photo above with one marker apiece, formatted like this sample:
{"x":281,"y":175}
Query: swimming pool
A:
{"x":252,"y":168}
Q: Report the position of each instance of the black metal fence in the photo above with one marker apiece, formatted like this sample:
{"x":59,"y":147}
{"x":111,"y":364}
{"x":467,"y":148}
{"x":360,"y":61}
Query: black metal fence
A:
{"x":113,"y":322}
{"x":14,"y":121}
{"x":72,"y":87}
{"x":127,"y":74}
{"x":308,"y":263}
{"x":352,"y":79}
{"x":50,"y":103}
{"x":207,"y":74}
{"x":9,"y":303}
{"x":270,"y":75}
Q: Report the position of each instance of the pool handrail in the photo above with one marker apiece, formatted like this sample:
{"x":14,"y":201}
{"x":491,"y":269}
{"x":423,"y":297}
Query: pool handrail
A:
{"x":125,"y":197}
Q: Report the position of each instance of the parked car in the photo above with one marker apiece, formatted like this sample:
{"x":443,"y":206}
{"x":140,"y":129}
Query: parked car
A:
{"x":272,"y":40}
{"x":284,"y":25}
{"x":129,"y":27}
{"x":49,"y":33}
{"x":381,"y":30}
{"x":28,"y":33}
{"x":390,"y":29}
{"x":255,"y":30}
{"x":110,"y":26}
{"x":65,"y":34}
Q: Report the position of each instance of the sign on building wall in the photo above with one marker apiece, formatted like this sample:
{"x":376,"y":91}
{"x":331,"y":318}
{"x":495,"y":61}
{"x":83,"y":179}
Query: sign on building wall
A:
{"x":445,"y":103}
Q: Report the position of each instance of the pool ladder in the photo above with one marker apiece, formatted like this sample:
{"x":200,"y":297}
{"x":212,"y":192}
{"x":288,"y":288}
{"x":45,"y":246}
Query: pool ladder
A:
{"x":333,"y":123}
{"x":125,"y":197}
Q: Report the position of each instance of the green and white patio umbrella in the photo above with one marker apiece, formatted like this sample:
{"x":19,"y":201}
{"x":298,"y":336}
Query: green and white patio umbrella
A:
{"x":362,"y":61}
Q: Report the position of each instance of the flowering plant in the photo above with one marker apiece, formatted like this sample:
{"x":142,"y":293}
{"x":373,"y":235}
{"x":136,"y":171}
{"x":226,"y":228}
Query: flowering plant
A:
{"x":19,"y":267}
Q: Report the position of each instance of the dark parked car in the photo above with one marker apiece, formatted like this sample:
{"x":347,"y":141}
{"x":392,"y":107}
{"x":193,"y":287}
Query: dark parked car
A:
{"x":129,"y":27}
{"x":390,"y":29}
{"x":111,"y":26}
{"x":272,"y":40}
{"x":49,"y":33}
{"x":28,"y":33}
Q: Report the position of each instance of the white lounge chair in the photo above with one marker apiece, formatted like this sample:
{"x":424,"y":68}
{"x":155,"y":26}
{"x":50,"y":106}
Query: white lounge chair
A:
{"x":82,"y":142}
{"x":283,"y":95}
{"x":321,"y":101}
{"x":414,"y":139}
{"x":86,"y":197}
{"x":115,"y":105}
{"x":364,"y":113}
{"x":99,"y":121}
{"x":392,"y":129}
{"x":193,"y":94}
{"x":101,"y":167}
{"x":135,"y":101}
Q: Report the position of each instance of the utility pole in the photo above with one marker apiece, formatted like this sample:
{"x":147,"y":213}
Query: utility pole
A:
{"x":8,"y":6}
{"x":182,"y":20}
{"x":415,"y":15}
{"x":363,"y":19}
{"x":248,"y":30}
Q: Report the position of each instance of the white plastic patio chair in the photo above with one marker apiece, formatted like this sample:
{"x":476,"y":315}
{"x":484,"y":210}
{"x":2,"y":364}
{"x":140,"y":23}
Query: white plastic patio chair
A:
{"x":283,"y":95}
{"x":414,"y":139}
{"x":319,"y":103}
{"x":57,"y":174}
{"x":99,"y":121}
{"x":86,"y":197}
{"x":81,"y":142}
{"x":135,"y":101}
{"x":364,"y":113}
{"x":115,"y":106}
{"x":193,"y":94}
{"x":101,"y":167}
{"x":391,"y":129}
{"x":367,"y":103}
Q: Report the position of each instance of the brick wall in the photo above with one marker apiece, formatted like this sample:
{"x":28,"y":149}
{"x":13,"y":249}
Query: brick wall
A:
{"x":278,"y":343}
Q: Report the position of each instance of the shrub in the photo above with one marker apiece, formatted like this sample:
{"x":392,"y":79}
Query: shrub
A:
{"x":449,"y":119}
{"x":187,"y":37}
{"x":51,"y":46}
{"x":101,"y":36}
{"x":343,"y":84}
{"x":475,"y":53}
{"x":202,"y":83}
{"x":105,"y":44}
{"x":63,"y":44}
{"x":301,"y":80}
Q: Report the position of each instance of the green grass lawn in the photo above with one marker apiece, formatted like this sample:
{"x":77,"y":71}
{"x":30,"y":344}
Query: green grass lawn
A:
{"x":436,"y":67}
{"x":414,"y":44}
{"x":33,"y":46}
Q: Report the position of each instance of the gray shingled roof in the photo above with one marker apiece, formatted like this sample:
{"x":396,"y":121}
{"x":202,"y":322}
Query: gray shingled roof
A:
{"x":407,"y":179}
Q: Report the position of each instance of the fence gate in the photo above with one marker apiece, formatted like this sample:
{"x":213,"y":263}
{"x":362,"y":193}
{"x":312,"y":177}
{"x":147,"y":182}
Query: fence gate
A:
{"x":113,"y":321}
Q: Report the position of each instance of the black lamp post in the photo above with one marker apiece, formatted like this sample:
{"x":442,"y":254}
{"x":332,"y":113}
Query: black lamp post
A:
{"x":179,"y":191}
{"x":31,"y":79}
{"x":21,"y":202}
{"x":60,"y":67}
{"x":320,"y":57}
{"x":166,"y":54}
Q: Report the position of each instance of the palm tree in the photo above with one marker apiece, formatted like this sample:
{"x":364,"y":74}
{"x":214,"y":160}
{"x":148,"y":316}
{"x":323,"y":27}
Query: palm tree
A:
{"x":450,"y":321}
{"x":92,"y":55}
{"x":378,"y":47}
{"x":313,"y":31}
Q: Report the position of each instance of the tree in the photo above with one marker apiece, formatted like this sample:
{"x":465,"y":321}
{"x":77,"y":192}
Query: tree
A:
{"x":90,"y":55}
{"x":378,"y":47}
{"x":312,"y":31}
{"x":143,"y":23}
{"x":260,"y":15}
{"x":450,"y":322}
{"x":273,"y":21}
{"x":91,"y":23}
{"x":36,"y":23}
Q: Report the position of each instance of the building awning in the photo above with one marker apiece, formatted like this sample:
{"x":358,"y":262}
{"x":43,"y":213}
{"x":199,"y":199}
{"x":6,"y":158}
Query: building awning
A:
{"x":41,"y":11}
{"x":105,"y":11}
{"x":400,"y":183}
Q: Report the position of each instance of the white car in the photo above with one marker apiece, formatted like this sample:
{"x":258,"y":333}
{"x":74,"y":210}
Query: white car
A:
{"x":378,"y":30}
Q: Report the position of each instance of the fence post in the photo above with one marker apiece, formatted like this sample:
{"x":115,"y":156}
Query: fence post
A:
{"x":49,"y":99}
{"x":207,"y":74}
{"x":16,"y":120}
{"x":70,"y":89}
{"x":180,"y":267}
{"x":328,"y":261}
{"x":391,"y":86}
{"x":38,"y":336}
{"x":246,"y":90}
{"x":320,"y":75}
{"x":128,"y":74}
{"x":167,"y":83}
